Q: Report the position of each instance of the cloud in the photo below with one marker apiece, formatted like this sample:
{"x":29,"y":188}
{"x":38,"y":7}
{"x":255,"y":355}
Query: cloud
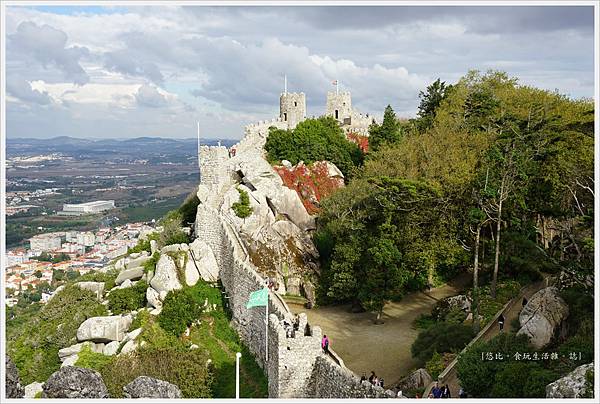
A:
{"x":149,"y":96}
{"x":21,"y":88}
{"x":123,"y":61}
{"x":47,"y":45}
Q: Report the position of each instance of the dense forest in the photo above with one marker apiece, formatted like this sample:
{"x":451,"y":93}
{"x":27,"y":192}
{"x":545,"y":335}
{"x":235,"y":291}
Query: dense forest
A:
{"x":491,"y":177}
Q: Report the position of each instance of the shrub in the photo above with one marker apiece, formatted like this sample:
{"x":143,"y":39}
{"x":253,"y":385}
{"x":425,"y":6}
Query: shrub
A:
{"x":242,"y":208}
{"x":477,"y":375}
{"x":108,"y":278}
{"x":522,"y":380}
{"x":188,"y":209}
{"x":150,"y":265}
{"x":442,"y":337}
{"x":172,"y":232}
{"x":128,"y":299}
{"x":180,"y":309}
{"x":86,"y":358}
{"x":144,"y":244}
{"x":185,"y":369}
{"x":423,"y":322}
{"x":435,"y":365}
{"x":154,"y":335}
{"x":34,"y":348}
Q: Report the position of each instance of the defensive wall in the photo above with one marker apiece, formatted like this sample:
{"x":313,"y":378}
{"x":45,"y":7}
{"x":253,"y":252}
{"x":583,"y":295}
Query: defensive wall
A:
{"x":296,"y":365}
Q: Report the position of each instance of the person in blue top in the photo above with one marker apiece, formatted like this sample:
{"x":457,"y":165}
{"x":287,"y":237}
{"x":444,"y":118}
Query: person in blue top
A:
{"x":436,"y":391}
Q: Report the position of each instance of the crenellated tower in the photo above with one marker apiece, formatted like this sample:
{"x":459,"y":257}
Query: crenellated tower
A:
{"x":292,"y":108}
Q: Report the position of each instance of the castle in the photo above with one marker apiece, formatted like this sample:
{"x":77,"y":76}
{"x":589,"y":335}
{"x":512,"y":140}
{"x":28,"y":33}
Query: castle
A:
{"x":295,"y":364}
{"x":292,"y":110}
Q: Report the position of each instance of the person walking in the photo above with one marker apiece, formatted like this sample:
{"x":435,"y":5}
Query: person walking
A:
{"x":462,"y":393}
{"x":325,"y":344}
{"x":524,"y":301}
{"x":446,"y":392}
{"x":436,"y":391}
{"x":372,"y":377}
{"x":501,"y":322}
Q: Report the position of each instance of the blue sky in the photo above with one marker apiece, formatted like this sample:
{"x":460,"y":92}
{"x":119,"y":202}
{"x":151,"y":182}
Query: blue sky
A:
{"x":91,"y":71}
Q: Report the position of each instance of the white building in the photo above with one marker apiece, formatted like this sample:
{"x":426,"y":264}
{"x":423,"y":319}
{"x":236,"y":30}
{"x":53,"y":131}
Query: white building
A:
{"x":45,"y":242}
{"x":86,"y":239}
{"x":71,"y":236}
{"x":88,"y":207}
{"x":14,"y":258}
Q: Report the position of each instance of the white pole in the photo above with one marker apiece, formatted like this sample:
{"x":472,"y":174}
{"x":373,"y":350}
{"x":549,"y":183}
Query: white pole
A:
{"x":337,"y":84}
{"x":267,"y":332}
{"x":285,"y":84}
{"x":198,"y":135}
{"x":237,"y":375}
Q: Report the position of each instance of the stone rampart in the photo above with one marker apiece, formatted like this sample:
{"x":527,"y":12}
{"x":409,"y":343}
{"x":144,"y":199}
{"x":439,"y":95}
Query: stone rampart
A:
{"x":296,"y":366}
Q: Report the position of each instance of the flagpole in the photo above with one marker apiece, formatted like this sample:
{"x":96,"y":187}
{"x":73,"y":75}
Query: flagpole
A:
{"x":337,"y":84}
{"x":267,"y":332}
{"x":237,"y":375}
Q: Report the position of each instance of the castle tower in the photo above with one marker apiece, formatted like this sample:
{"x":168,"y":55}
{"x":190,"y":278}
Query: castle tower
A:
{"x":292,"y":108}
{"x":339,"y":106}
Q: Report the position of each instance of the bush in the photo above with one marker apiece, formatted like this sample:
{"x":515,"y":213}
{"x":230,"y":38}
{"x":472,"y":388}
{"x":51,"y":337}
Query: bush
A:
{"x":154,"y":335}
{"x":424,"y":321}
{"x":34,"y":348}
{"x":128,"y":299}
{"x":180,"y":310}
{"x":435,"y":365}
{"x":477,"y":375}
{"x":189,"y":208}
{"x":150,"y":265}
{"x":86,"y":358}
{"x":144,"y":244}
{"x":522,"y":380}
{"x":442,"y":337}
{"x":172,"y":232}
{"x":108,"y":278}
{"x":242,"y":208}
{"x":185,"y":369}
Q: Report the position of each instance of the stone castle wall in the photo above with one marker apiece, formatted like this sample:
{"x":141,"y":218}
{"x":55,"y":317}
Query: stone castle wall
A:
{"x":292,"y":108}
{"x":296,"y":367}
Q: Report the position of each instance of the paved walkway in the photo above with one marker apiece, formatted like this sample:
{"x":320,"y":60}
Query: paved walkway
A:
{"x":383,"y":348}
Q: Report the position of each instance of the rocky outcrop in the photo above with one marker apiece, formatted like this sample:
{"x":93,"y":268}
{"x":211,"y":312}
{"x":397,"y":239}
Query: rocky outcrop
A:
{"x":111,"y":348}
{"x":205,"y":261}
{"x":132,"y":261}
{"x":447,"y":304}
{"x":148,"y":387}
{"x":96,"y":287}
{"x":542,"y":316}
{"x":134,"y":273}
{"x":12,"y":381}
{"x":153,"y":298}
{"x":572,"y":385}
{"x":74,"y":382}
{"x":31,"y":390}
{"x":418,"y":379}
{"x":69,"y":355}
{"x":165,"y":278}
{"x":104,"y":329}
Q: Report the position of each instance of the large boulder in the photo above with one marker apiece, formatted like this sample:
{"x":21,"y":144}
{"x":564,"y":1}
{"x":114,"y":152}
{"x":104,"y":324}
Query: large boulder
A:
{"x":104,"y":329}
{"x":205,"y":261}
{"x":73,"y":350}
{"x":139,"y":261}
{"x":96,"y":287}
{"x":32,"y":389}
{"x":148,"y":387}
{"x":111,"y":348}
{"x":129,"y":274}
{"x":74,"y":382}
{"x":165,"y":277}
{"x":542,"y":316}
{"x":418,"y":379}
{"x":12,"y":381}
{"x":153,"y":298}
{"x":573,"y":385}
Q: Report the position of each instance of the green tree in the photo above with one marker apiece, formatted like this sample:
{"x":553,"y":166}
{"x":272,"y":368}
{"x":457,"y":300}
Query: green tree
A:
{"x":430,"y":101}
{"x":389,"y":132}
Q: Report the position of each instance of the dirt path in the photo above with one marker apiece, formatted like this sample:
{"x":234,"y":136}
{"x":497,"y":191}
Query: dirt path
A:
{"x":383,"y":348}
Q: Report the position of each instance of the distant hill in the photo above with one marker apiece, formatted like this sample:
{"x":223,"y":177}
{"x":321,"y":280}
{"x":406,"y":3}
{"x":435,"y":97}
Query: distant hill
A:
{"x":141,"y":147}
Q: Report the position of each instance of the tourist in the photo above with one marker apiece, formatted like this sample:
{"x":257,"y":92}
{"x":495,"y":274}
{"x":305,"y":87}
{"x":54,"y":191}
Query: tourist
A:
{"x":325,"y":344}
{"x":446,"y":392}
{"x":501,"y":322}
{"x":462,"y":393}
{"x":363,"y":378}
{"x":430,"y":395}
{"x":372,"y":377}
{"x":436,"y":391}
{"x":524,"y":301}
{"x":381,"y":382}
{"x":399,"y":395}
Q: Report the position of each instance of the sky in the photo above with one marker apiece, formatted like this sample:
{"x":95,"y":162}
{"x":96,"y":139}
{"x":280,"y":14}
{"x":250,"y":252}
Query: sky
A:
{"x":122,"y":72}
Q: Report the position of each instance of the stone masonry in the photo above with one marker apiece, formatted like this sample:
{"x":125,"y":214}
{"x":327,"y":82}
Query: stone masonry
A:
{"x":296,"y":366}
